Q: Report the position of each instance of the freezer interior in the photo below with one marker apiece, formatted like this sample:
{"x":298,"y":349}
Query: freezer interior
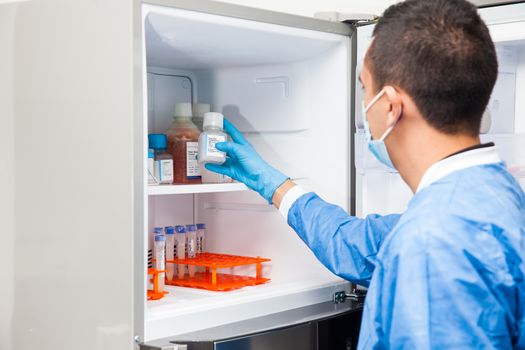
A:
{"x":382,"y":191}
{"x":288,"y":90}
{"x":505,"y":118}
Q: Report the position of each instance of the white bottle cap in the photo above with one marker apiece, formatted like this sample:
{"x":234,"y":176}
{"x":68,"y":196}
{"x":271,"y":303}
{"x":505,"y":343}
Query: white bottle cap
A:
{"x":200,"y":108}
{"x":182,"y":110}
{"x":213,"y":119}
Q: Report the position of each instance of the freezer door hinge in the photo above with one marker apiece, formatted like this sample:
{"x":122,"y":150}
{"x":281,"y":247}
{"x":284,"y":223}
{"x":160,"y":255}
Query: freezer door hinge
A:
{"x":355,"y":19}
{"x":357,"y":295}
{"x":170,"y":346}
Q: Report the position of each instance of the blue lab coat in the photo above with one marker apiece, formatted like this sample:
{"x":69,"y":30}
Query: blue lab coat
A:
{"x":447,"y":274}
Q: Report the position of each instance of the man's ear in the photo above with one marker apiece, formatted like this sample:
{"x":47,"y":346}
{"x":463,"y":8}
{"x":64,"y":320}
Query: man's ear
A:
{"x":396,"y":105}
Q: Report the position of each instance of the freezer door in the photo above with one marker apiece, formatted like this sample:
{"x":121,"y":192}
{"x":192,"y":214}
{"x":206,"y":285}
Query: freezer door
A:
{"x":72,"y":84}
{"x":505,"y":122}
{"x":378,"y":189}
{"x":382,"y":191}
{"x":7,"y":173}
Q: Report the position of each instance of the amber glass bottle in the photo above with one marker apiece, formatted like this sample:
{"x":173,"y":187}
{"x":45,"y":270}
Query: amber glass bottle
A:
{"x":183,"y":144}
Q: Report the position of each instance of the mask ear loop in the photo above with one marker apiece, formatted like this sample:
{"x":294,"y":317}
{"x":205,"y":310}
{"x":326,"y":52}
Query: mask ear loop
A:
{"x":374,"y":100}
{"x":366,"y":108}
{"x":389,"y":130}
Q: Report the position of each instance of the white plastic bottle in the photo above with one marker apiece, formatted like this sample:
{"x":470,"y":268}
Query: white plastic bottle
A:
{"x":212,"y":133}
{"x":191,"y":241}
{"x":159,"y":247}
{"x":208,"y":153}
{"x":201,"y":233}
{"x":181,"y":249}
{"x":198,"y":113}
{"x":170,"y":251}
{"x":163,"y":160}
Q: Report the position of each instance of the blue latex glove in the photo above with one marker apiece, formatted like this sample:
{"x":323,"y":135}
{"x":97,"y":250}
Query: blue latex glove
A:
{"x":245,"y":165}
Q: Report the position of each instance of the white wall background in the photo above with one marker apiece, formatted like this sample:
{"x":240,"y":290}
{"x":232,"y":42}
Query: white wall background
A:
{"x":309,"y":7}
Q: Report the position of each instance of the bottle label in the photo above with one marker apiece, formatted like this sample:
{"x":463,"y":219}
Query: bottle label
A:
{"x":200,"y":245}
{"x":164,"y":171}
{"x":159,"y":257}
{"x":192,"y":166}
{"x":211,"y":150}
{"x":191,"y":248}
{"x":151,"y":172}
{"x":181,"y":248}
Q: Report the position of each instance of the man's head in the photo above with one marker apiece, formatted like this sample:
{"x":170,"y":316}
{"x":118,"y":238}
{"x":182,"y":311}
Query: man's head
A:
{"x":436,"y":64}
{"x":441,"y":54}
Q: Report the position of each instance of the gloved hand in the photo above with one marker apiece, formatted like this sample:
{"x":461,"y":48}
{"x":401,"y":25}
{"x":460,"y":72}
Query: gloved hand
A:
{"x":245,"y":165}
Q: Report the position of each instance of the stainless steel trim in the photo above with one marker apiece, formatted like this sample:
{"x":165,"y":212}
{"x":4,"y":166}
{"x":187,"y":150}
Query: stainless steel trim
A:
{"x":163,"y":347}
{"x":261,"y":324}
{"x":353,"y":173}
{"x":139,"y":198}
{"x":254,"y":14}
{"x":335,"y":16}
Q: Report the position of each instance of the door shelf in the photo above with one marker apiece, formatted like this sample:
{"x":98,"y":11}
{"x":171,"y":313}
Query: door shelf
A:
{"x":198,"y":188}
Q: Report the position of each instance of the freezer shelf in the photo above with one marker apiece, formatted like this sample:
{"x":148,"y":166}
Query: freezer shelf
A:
{"x":185,"y":310}
{"x":161,"y":190}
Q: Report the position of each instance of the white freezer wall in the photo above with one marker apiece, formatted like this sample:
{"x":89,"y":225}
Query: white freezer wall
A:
{"x":308,"y":8}
{"x":292,"y":105}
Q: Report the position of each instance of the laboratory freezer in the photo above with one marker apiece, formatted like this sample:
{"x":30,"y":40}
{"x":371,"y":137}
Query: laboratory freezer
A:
{"x":90,"y":80}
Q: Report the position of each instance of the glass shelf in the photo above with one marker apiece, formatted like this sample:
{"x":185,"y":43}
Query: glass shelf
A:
{"x":160,"y":190}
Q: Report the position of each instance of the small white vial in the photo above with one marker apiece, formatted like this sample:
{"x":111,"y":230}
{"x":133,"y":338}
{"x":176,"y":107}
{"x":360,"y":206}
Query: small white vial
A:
{"x":201,"y":233}
{"x":151,"y":251}
{"x":163,"y":160}
{"x":212,"y":134}
{"x":159,"y":247}
{"x":181,"y":247}
{"x":191,"y":241}
{"x":151,"y":168}
{"x":170,"y":251}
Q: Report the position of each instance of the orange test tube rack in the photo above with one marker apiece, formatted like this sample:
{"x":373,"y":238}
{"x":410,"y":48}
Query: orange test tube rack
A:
{"x":210,"y":279}
{"x":155,"y":294}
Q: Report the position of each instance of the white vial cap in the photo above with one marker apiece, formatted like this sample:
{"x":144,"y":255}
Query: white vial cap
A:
{"x":200,"y":108}
{"x":213,"y":119}
{"x":182,"y":110}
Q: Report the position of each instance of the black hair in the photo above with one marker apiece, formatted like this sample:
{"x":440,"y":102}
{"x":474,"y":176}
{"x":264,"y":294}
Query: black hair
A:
{"x":440,"y":52}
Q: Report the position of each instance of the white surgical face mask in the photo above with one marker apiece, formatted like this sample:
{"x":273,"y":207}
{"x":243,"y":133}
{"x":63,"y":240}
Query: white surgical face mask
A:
{"x":377,"y":147}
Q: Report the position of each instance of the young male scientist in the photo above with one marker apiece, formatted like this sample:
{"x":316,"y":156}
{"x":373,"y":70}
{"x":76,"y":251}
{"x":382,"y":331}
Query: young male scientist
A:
{"x":449,"y":272}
